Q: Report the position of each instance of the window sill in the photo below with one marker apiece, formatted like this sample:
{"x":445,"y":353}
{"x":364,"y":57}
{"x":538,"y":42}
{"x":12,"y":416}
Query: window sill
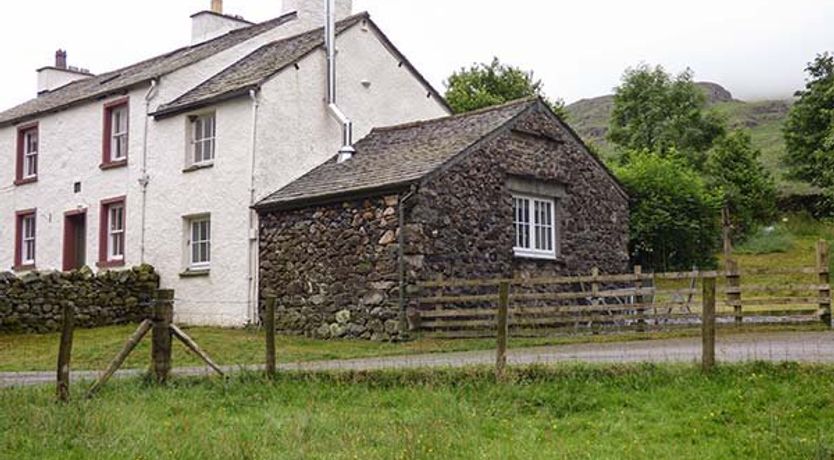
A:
{"x":28,"y":180}
{"x":25,"y":268}
{"x":113,"y":165}
{"x":534,"y":256}
{"x":198,"y":167}
{"x":111,"y":264}
{"x":196,"y":273}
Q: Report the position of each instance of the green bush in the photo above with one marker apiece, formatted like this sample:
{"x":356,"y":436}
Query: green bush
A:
{"x":767,"y":240}
{"x":674,"y":217}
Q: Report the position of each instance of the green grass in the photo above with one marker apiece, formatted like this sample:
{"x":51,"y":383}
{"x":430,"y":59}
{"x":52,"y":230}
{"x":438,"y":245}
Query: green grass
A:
{"x":768,"y":240}
{"x":757,"y":411}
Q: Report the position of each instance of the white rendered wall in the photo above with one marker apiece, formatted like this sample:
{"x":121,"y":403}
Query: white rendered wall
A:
{"x":70,"y":150}
{"x":295,"y":134}
{"x":50,"y":78}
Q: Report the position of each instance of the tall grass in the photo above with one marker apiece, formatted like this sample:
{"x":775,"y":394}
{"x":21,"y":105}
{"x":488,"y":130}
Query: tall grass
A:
{"x":637,"y":411}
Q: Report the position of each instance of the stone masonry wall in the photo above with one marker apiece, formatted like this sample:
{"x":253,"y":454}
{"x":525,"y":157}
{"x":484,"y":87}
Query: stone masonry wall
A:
{"x":34,"y":301}
{"x":461,"y":223}
{"x":334,"y":269}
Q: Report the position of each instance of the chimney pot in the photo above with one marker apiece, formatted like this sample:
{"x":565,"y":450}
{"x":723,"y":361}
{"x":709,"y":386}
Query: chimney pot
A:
{"x":217,"y":6}
{"x":61,"y":59}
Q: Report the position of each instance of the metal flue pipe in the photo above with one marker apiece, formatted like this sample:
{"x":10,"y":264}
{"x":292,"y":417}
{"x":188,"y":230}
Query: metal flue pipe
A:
{"x":347,"y":150}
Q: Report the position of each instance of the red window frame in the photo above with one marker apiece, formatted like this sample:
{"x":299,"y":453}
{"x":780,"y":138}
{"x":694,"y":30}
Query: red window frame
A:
{"x":107,"y":161}
{"x":21,"y":142}
{"x":104,"y":260}
{"x":18,"y":238}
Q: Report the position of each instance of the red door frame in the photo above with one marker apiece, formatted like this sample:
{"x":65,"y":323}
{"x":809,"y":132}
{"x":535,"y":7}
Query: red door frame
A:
{"x":70,"y":237}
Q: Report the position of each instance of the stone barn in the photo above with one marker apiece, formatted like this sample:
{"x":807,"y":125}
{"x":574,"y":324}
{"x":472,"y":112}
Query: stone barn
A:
{"x":505,"y":191}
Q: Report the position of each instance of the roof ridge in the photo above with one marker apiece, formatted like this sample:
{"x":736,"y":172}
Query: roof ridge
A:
{"x":492,"y":108}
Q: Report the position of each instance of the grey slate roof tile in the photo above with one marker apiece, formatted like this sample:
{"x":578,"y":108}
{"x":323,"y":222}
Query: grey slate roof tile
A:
{"x":254,"y":69}
{"x":117,"y":80}
{"x":397,"y":155}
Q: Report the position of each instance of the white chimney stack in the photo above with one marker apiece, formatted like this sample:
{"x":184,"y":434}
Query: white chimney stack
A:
{"x":312,"y":13}
{"x":54,"y":77}
{"x":209,"y":24}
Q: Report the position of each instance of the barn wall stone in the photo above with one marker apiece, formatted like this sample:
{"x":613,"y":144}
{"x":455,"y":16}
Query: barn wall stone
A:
{"x":34,"y":301}
{"x":334,"y":269}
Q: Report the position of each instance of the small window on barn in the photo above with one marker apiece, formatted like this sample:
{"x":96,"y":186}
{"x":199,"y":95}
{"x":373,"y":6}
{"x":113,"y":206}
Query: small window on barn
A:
{"x":534,"y":227}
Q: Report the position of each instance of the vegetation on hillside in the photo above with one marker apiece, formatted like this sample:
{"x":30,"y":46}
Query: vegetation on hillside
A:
{"x":484,"y":85}
{"x":809,"y":130}
{"x":631,"y":411}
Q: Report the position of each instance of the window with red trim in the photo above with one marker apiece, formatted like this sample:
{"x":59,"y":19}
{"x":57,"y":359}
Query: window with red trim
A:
{"x":27,"y":154}
{"x":25,"y":239}
{"x":115,"y":141}
{"x":112,"y":232}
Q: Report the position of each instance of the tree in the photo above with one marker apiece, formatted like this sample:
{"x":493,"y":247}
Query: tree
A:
{"x":749,"y":190}
{"x":674,"y":216}
{"x":809,"y":129}
{"x":485,"y":85}
{"x":656,"y":112}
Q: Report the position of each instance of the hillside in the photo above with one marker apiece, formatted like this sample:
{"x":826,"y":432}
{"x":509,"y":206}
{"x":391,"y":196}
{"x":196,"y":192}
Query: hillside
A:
{"x":762,"y":119}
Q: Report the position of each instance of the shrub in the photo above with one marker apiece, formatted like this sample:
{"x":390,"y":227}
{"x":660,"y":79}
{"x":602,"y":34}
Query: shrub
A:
{"x":674,"y":217}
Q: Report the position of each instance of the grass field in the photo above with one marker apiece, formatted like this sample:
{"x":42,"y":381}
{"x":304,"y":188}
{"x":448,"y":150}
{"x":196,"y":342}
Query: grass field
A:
{"x":753,"y":411}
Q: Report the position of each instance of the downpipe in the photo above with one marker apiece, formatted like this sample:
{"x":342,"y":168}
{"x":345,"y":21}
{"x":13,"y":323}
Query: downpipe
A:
{"x":144,"y":178}
{"x":252,"y":237}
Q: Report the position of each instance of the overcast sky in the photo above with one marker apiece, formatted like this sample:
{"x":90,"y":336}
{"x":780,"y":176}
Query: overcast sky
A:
{"x":755,"y":48}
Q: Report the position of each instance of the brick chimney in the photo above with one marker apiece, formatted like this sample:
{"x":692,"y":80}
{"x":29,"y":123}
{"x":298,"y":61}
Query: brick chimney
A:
{"x":213,"y":23}
{"x":54,"y":77}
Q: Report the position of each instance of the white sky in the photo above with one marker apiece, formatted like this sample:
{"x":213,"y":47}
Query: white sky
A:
{"x":579,"y":48}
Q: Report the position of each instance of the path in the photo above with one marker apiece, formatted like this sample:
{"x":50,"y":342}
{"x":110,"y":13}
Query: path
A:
{"x":809,"y":347}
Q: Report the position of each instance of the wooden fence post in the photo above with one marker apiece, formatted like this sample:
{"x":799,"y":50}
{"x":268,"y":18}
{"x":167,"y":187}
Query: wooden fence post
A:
{"x":639,"y":299}
{"x":65,"y":352}
{"x":708,"y":324}
{"x":269,"y":325}
{"x":733,"y":277}
{"x":503,"y":328}
{"x":163,"y":315}
{"x":824,"y":280}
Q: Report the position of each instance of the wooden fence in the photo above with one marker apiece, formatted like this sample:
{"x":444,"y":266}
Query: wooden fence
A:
{"x":636,"y":302}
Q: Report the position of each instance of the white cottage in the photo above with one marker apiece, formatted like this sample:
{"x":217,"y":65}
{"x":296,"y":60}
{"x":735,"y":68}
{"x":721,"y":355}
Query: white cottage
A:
{"x":160,"y":162}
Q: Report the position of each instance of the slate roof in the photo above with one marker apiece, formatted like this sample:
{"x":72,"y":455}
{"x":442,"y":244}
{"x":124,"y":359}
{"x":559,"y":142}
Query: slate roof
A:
{"x":117,"y":80}
{"x":393,"y":157}
{"x":254,"y":69}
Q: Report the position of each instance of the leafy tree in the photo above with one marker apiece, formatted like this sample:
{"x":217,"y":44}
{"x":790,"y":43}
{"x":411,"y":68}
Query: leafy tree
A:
{"x":748,"y":188}
{"x":485,"y":85}
{"x":674,"y":216}
{"x":656,"y":112}
{"x":809,"y":129}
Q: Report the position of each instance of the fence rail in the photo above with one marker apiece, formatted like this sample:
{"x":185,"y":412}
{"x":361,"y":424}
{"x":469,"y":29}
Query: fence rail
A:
{"x":638,"y":301}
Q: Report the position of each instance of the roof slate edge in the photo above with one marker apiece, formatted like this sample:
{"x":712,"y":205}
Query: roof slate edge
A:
{"x":171,"y":110}
{"x":280,"y":20}
{"x":330,"y":198}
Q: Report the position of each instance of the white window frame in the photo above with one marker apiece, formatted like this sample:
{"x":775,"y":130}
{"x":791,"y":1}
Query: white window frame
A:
{"x":28,"y":239}
{"x":203,"y":140}
{"x":119,"y":137}
{"x":194,"y":240}
{"x":525,"y":243}
{"x":30,"y":157}
{"x":114,"y":233}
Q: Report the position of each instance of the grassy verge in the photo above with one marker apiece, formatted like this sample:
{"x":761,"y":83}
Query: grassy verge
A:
{"x":94,"y":348}
{"x":752,"y":411}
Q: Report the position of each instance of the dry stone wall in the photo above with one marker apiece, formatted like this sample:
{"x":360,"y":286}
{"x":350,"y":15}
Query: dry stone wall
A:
{"x":34,"y":301}
{"x":334,"y":269}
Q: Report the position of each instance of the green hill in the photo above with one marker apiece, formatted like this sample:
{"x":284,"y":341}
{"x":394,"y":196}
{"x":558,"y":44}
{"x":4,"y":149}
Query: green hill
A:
{"x":762,"y":119}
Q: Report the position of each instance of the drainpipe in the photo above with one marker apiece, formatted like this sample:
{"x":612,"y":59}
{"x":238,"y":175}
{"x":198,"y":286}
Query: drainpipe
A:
{"x":144,"y":178}
{"x":401,"y":255}
{"x":252,"y":237}
{"x":346,"y":151}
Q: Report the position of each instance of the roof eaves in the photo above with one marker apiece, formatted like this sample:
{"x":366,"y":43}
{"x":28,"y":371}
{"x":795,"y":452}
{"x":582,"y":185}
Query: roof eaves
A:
{"x":172,"y":111}
{"x":328,"y":198}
